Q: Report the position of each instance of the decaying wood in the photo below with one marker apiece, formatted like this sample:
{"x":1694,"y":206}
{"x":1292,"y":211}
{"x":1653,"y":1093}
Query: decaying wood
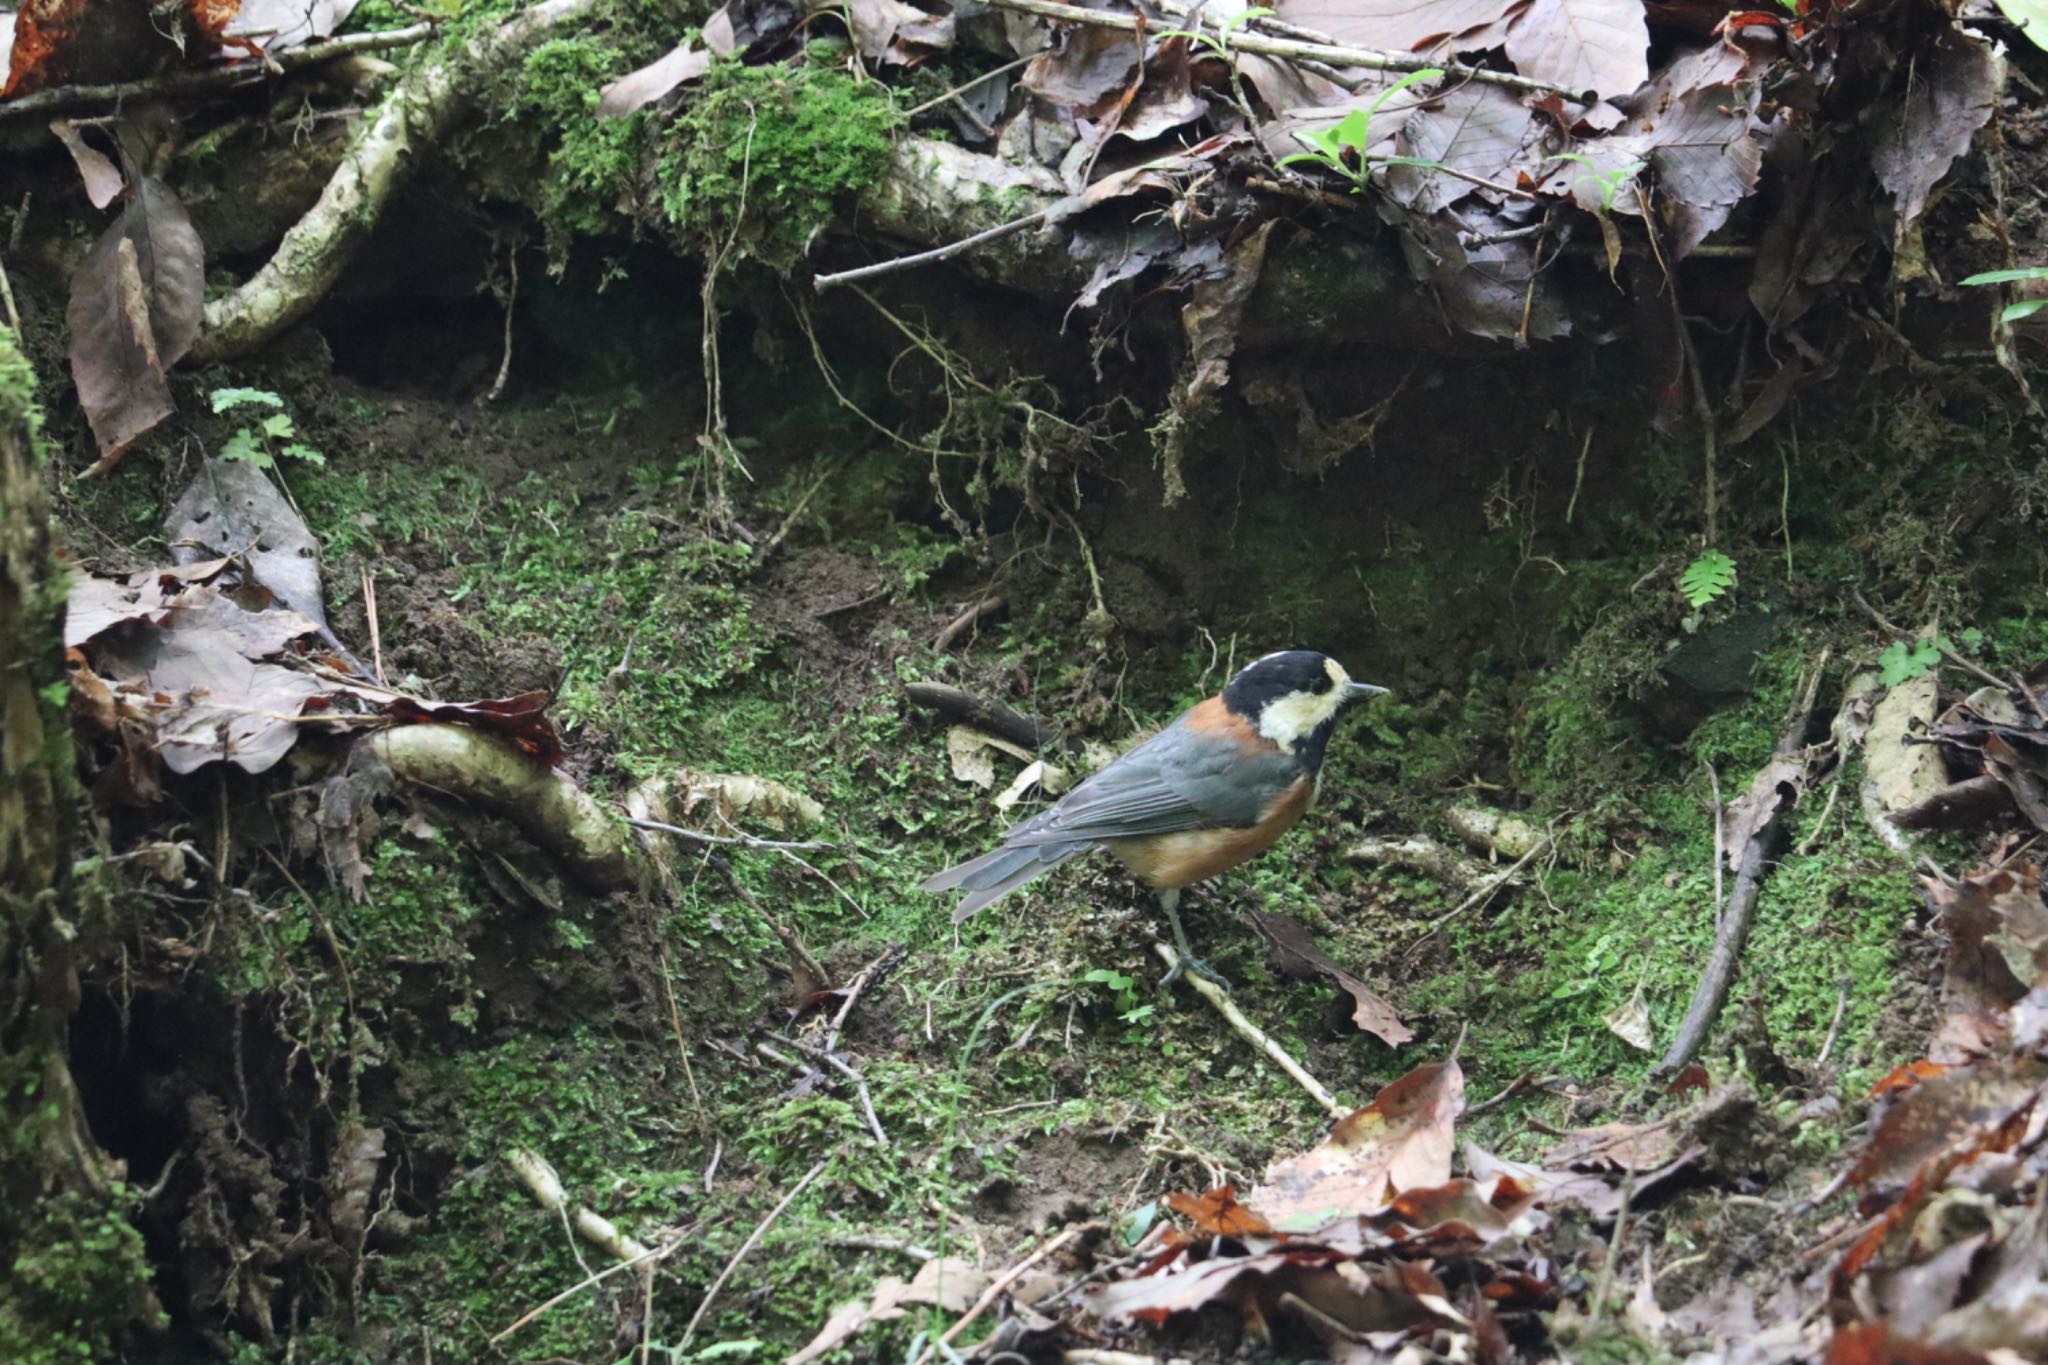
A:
{"x":1731,"y":928}
{"x":415,"y":116}
{"x":967,"y":709}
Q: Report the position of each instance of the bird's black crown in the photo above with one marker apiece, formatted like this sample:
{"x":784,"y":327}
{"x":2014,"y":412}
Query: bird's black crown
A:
{"x":1278,"y":675}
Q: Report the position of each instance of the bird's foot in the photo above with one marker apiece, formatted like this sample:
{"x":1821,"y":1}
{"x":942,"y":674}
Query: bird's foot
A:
{"x":1187,"y":964}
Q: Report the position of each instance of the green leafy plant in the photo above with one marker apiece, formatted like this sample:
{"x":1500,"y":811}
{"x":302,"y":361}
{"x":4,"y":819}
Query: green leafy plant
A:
{"x":1124,"y":987}
{"x":1902,"y":662}
{"x":272,"y":438}
{"x":1219,"y":41}
{"x":1707,"y":579}
{"x":2022,"y":308}
{"x":1341,"y":148}
{"x":1611,"y":182}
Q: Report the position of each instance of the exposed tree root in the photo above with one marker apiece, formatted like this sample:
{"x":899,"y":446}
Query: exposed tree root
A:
{"x":417,"y":114}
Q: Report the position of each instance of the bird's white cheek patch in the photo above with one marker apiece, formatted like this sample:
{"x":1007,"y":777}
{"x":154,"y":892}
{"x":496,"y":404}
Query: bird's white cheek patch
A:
{"x":1297,"y":714}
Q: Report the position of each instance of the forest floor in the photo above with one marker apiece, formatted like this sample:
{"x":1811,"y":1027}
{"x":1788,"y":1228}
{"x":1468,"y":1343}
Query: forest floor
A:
{"x":1020,"y":1075}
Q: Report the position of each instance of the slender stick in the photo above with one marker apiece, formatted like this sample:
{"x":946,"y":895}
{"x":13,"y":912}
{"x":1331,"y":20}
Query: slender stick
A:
{"x":1254,"y":1035}
{"x":651,"y":1254}
{"x":753,"y":1240}
{"x":1002,"y":1282}
{"x":1481,"y":896}
{"x":698,"y":836}
{"x":69,"y":97}
{"x":937,"y":253}
{"x":1331,"y":54}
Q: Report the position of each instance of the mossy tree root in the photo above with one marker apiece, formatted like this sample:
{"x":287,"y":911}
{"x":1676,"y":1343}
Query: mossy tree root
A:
{"x":420,"y":110}
{"x":594,"y":843}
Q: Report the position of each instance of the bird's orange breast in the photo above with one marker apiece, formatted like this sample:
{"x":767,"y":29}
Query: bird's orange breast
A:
{"x":1165,"y":861}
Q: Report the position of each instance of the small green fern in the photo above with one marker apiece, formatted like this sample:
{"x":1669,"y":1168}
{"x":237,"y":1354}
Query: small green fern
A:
{"x":1707,"y":579}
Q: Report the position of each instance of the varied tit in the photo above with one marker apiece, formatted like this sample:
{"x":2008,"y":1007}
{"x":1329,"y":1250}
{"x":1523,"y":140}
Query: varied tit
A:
{"x":1219,"y":785}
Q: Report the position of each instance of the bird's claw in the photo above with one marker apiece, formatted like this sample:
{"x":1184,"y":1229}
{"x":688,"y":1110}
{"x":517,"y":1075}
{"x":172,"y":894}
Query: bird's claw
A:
{"x":1186,"y":964}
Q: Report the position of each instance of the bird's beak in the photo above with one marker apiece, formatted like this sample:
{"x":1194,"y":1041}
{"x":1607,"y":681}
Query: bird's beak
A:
{"x":1359,"y":691}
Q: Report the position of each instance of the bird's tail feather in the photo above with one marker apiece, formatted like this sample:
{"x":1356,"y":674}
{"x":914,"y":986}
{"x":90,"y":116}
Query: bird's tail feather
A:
{"x":994,"y":875}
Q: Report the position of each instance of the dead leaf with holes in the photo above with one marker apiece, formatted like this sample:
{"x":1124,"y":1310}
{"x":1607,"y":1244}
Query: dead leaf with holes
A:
{"x":1951,"y":95}
{"x":1596,"y":46}
{"x":1401,"y":1141}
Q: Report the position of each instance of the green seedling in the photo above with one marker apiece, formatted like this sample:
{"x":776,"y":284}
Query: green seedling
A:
{"x":1341,"y":148}
{"x":1707,"y":579}
{"x":271,"y":439}
{"x":1219,"y":41}
{"x":1611,"y":182}
{"x":2022,"y":308}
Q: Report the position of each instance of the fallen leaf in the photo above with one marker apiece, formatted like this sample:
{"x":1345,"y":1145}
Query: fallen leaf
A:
{"x":1211,"y":317}
{"x":1617,"y":1146}
{"x":1589,"y":1192}
{"x":1400,"y":1141}
{"x":1597,"y":46}
{"x":1478,"y":129}
{"x":274,"y":25}
{"x":1218,"y":1213}
{"x":96,"y":605}
{"x":1167,"y":100}
{"x":1085,"y":69}
{"x":1296,"y":952}
{"x":1778,"y":781}
{"x":256,"y":634}
{"x":944,"y":1282}
{"x":845,"y":1323}
{"x":522,"y":719}
{"x":1939,"y":1116}
{"x":1875,"y":1343}
{"x":232,"y":508}
{"x":892,"y":30}
{"x":1630,"y":1022}
{"x":103,"y":180}
{"x":1185,"y":1288}
{"x":638,"y":89}
{"x":1951,"y":93}
{"x":1898,"y":774}
{"x":209,"y":704}
{"x":1397,"y":25}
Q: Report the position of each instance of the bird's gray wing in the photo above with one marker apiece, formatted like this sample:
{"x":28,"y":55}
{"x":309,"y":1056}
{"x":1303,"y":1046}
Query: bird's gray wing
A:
{"x":1173,"y":782}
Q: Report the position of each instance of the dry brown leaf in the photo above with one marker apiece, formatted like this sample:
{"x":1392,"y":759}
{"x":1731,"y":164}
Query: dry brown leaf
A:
{"x":1401,"y":1141}
{"x":257,"y":634}
{"x":1778,"y":781}
{"x":1589,"y":1192}
{"x":1630,"y":1022}
{"x":232,"y":508}
{"x":274,"y":25}
{"x":1952,"y":93}
{"x":1212,"y":315}
{"x":1297,"y":954}
{"x":1218,"y":1213}
{"x":845,"y":1323}
{"x":103,"y":179}
{"x":659,"y":78}
{"x":1086,"y":70}
{"x":1617,"y":1146}
{"x":1478,"y":129}
{"x":207,"y":703}
{"x":95,"y":605}
{"x":1601,"y":46}
{"x":1399,"y":25}
{"x":1938,"y":1116}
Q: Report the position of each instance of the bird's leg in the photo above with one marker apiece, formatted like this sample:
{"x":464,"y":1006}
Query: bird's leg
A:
{"x":1185,"y":960}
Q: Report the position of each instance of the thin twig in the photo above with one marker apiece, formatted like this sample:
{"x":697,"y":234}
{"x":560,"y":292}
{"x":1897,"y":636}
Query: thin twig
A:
{"x":376,"y":633}
{"x":651,"y":1254}
{"x":69,"y":97}
{"x":497,"y":389}
{"x":1331,"y":54}
{"x":869,"y":975}
{"x":966,"y":86}
{"x":1827,"y":1046}
{"x":1603,"y":1286}
{"x":1254,"y":1035}
{"x":1720,"y":844}
{"x":698,"y":836}
{"x":840,"y":1065}
{"x":753,"y":1240}
{"x":1001,"y":1283}
{"x":1481,"y":896}
{"x":937,"y":253}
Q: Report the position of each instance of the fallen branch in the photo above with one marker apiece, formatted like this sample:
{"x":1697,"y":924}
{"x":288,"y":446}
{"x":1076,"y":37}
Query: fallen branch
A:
{"x":937,"y":253}
{"x":66,"y":99}
{"x":1297,"y":49}
{"x":838,"y":1064}
{"x":413,"y":119}
{"x":746,"y":1247}
{"x":960,"y":624}
{"x":1254,"y":1035}
{"x":875,"y":971}
{"x":1731,"y":928}
{"x":992,"y":716}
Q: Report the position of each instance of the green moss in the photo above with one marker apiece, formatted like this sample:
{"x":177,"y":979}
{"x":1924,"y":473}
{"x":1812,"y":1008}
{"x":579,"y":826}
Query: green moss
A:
{"x":766,"y":153}
{"x":590,"y":163}
{"x":78,"y":1270}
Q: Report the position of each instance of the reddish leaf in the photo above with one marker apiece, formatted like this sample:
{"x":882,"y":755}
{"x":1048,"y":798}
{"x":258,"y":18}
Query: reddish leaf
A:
{"x":1957,"y":1111}
{"x":1907,"y":1076}
{"x":1618,"y":1146}
{"x":523,"y":719}
{"x":1401,"y":1141}
{"x":1874,"y":1343}
{"x":1217,"y":1212}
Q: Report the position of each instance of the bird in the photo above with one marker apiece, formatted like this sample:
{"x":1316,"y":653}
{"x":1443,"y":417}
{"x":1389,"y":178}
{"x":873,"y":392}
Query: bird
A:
{"x":1217,"y":787}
